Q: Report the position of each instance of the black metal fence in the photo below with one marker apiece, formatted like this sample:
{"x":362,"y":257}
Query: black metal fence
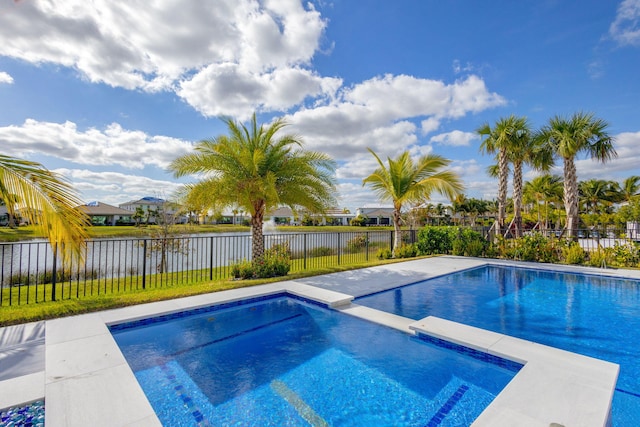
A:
{"x":31,"y":272}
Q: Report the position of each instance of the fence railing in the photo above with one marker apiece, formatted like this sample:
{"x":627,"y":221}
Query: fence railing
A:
{"x":31,"y":273}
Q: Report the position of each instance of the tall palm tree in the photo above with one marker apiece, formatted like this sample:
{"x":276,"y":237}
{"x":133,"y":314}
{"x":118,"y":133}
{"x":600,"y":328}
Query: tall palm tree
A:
{"x":46,"y":200}
{"x":405,"y":181}
{"x":581,"y":133}
{"x":524,"y":149}
{"x":254,"y":170}
{"x":498,"y":140}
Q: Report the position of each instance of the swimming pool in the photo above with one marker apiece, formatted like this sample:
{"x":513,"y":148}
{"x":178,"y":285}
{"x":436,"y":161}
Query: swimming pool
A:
{"x":592,"y":315}
{"x":285,"y":362}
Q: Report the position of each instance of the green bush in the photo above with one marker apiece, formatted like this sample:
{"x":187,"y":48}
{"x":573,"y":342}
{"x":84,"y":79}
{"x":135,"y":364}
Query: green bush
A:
{"x":406,"y":251}
{"x":531,"y":247}
{"x":384,"y":253}
{"x":598,"y":258}
{"x":469,"y":243}
{"x":574,"y":254}
{"x":436,"y":240}
{"x":626,"y":255}
{"x":359,"y":221}
{"x":242,"y":270}
{"x":275,"y":263}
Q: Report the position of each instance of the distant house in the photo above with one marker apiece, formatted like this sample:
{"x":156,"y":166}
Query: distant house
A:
{"x":284,"y":215}
{"x":378,"y":215}
{"x":151,"y":206}
{"x":104,"y":214}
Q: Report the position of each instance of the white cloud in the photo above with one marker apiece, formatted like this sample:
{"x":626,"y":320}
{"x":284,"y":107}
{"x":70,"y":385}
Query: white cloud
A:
{"x":110,"y":146}
{"x":455,"y":138}
{"x":114,"y":188}
{"x":430,"y":125}
{"x":625,"y":165}
{"x":5,"y":78}
{"x":257,"y":46}
{"x":625,"y":29}
{"x":227,"y":89}
{"x":378,"y":113}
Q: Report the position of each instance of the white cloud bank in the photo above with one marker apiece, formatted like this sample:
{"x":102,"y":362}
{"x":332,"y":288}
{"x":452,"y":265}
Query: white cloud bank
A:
{"x":110,"y":146}
{"x":625,"y":29}
{"x":224,"y":57}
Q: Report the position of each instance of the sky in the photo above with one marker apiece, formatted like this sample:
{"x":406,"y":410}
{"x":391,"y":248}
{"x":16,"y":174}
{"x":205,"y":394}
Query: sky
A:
{"x":108,"y":93}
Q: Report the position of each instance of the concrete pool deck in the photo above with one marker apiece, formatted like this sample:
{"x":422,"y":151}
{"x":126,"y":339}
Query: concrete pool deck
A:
{"x":75,"y":364}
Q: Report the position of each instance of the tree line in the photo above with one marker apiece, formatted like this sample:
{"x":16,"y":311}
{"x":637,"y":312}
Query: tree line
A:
{"x":255,"y":168}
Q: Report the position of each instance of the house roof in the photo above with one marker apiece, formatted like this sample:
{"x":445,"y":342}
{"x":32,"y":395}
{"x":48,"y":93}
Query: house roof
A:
{"x":99,"y":208}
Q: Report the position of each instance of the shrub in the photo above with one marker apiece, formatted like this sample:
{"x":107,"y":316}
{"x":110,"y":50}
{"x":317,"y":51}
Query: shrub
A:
{"x":598,"y":258}
{"x":359,"y":221}
{"x":626,"y":255}
{"x":276,"y":262}
{"x":469,"y":243}
{"x":436,"y":240}
{"x":406,"y":251}
{"x":531,"y":247}
{"x":356,"y":244}
{"x":384,"y":253}
{"x":574,"y":254}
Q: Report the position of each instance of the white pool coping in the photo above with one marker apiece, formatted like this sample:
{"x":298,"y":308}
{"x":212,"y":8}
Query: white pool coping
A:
{"x":86,"y":380}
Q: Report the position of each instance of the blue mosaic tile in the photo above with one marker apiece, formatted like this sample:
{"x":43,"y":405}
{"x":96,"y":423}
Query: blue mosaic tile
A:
{"x":476,"y":354}
{"x":208,"y":309}
{"x":437,"y":419}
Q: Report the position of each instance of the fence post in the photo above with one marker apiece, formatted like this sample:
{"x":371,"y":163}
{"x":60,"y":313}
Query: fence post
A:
{"x":144,"y":264}
{"x":211,"y":258}
{"x":54,"y":272}
{"x":304,"y":250}
{"x":391,"y":240}
{"x":366,"y":245}
{"x":339,"y":246}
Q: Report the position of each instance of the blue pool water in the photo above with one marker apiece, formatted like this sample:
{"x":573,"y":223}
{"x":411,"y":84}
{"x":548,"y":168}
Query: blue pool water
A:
{"x":592,"y":315}
{"x":284,"y":362}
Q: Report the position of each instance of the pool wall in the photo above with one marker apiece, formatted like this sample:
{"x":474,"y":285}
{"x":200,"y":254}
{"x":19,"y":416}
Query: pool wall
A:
{"x":87,"y":380}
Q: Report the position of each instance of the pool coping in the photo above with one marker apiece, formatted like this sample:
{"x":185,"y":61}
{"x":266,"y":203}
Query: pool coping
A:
{"x":87,"y":381}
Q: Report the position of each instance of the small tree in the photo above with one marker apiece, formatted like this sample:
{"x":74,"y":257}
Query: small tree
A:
{"x":405,"y":181}
{"x":253,"y":169}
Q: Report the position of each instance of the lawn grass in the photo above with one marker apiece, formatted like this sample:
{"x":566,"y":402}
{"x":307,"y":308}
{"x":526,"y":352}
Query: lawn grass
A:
{"x":99,"y":296}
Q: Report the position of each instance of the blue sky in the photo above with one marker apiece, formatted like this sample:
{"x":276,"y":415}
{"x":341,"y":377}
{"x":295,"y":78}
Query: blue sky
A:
{"x":108,"y":93}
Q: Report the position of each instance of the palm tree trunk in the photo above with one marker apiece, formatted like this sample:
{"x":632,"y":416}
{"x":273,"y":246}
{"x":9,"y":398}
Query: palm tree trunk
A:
{"x":517,"y":197}
{"x":257,"y":238}
{"x":571,"y":196}
{"x":397,"y":241}
{"x":503,"y":171}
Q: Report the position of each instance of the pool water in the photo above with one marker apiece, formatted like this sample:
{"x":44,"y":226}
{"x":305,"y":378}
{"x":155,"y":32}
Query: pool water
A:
{"x":587,"y":314}
{"x":284,"y":362}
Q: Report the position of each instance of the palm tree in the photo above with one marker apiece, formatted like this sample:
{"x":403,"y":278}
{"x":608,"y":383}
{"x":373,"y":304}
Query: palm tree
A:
{"x":254,"y":170}
{"x":404,"y":181}
{"x":46,"y":200}
{"x":582,"y":133}
{"x":596,"y":195}
{"x":629,"y":189}
{"x":544,"y":189}
{"x":523,"y":149}
{"x":499,"y":139}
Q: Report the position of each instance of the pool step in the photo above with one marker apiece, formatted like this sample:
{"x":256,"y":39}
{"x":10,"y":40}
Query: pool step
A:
{"x":333,"y":388}
{"x":300,"y":405}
